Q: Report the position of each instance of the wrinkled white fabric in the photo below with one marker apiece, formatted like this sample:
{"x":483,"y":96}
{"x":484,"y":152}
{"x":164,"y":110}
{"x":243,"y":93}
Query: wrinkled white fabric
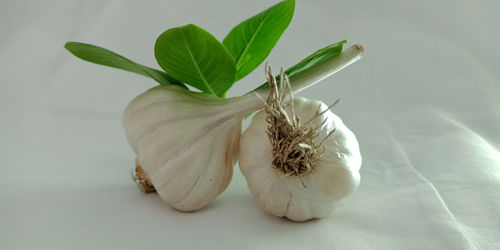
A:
{"x":424,"y":103}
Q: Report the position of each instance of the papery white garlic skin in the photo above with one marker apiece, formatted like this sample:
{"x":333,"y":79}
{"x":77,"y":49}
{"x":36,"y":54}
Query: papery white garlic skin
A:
{"x":186,"y":142}
{"x":314,"y":194}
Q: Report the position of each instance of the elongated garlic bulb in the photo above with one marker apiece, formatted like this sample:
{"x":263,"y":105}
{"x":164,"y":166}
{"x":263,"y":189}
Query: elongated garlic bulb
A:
{"x":299,"y":159}
{"x":186,"y":142}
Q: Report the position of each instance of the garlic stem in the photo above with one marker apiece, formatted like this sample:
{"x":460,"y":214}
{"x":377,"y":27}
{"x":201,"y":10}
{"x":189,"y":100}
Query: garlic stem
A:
{"x":255,"y":99}
{"x":318,"y":72}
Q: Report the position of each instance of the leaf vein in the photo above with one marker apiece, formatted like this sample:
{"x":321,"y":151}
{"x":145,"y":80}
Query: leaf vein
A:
{"x":205,"y":82}
{"x":252,"y":38}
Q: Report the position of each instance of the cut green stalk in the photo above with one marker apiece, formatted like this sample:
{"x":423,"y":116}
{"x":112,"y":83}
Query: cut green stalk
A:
{"x":317,"y":72}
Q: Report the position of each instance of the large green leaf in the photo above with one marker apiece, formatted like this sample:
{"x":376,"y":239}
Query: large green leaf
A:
{"x":251,"y":41}
{"x":194,"y":56}
{"x":102,"y":56}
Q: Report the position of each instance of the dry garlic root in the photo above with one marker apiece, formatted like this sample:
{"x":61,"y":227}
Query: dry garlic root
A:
{"x":142,"y":179}
{"x":299,"y":159}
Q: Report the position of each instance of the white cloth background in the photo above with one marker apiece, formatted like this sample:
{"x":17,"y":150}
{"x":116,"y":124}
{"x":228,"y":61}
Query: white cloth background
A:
{"x":424,"y":103}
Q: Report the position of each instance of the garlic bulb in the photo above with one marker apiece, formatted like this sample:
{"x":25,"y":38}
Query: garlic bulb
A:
{"x":299,"y":159}
{"x":186,"y":142}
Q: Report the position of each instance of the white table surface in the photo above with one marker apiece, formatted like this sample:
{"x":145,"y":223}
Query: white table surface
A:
{"x":424,"y":103}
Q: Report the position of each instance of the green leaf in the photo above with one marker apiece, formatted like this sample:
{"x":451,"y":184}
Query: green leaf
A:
{"x":316,"y":57}
{"x":102,"y":56}
{"x":251,"y":41}
{"x":194,"y":56}
{"x":309,"y":62}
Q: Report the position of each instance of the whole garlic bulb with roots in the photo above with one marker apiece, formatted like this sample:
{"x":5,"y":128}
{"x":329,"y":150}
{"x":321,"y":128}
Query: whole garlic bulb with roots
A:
{"x":299,"y":159}
{"x":187,"y":142}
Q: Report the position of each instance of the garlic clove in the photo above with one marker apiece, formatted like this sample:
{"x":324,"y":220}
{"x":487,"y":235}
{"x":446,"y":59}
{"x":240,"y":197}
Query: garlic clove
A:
{"x":314,"y":194}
